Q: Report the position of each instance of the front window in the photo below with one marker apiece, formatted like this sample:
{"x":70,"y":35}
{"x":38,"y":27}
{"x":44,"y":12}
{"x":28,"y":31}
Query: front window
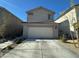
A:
{"x":30,"y":13}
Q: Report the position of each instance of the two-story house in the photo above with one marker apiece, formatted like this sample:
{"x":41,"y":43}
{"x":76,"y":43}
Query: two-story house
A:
{"x":40,"y":24}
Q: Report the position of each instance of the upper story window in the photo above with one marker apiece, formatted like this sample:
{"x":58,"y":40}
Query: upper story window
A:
{"x":30,"y":13}
{"x":49,"y":16}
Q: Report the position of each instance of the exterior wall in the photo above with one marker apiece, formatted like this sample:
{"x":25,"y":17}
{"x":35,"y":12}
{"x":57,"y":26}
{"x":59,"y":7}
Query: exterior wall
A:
{"x":25,"y":30}
{"x":71,"y":18}
{"x":11,"y":24}
{"x":39,"y":16}
{"x":55,"y":30}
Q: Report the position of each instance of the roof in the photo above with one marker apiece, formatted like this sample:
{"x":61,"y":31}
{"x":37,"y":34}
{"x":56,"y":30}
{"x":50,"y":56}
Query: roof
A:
{"x":10,"y":12}
{"x":69,"y":9}
{"x":41,"y":8}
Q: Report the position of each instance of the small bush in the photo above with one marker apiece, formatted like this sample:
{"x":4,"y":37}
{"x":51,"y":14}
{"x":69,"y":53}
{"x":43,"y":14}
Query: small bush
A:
{"x":18,"y":41}
{"x":10,"y":47}
{"x":63,"y":39}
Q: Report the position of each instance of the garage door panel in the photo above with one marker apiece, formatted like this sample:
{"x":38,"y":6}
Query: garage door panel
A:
{"x":40,"y":32}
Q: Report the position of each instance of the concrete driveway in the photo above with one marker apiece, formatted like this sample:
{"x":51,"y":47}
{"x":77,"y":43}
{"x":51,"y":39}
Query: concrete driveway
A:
{"x":43,"y":49}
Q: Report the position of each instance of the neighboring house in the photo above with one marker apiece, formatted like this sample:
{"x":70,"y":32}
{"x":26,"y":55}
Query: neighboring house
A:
{"x":40,"y":24}
{"x":10,"y":25}
{"x":67,"y":19}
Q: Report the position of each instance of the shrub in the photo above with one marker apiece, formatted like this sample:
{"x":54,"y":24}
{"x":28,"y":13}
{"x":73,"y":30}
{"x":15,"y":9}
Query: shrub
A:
{"x":63,"y":38}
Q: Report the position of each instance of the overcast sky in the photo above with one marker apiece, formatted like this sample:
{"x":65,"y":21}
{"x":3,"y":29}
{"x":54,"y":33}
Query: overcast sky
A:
{"x":20,"y":7}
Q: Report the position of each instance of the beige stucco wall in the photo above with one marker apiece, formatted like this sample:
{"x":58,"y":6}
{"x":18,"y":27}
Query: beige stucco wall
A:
{"x":39,"y":15}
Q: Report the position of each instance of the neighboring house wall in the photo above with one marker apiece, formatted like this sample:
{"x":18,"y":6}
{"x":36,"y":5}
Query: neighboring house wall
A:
{"x":39,"y":15}
{"x":1,"y":20}
{"x":69,"y":17}
{"x":11,"y":25}
{"x":64,"y":28}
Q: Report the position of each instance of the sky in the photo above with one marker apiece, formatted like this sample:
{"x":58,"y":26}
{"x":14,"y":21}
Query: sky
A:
{"x":20,"y":7}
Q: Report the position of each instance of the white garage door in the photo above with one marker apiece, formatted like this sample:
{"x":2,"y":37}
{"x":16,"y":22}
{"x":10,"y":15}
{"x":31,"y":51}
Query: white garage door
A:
{"x":40,"y":32}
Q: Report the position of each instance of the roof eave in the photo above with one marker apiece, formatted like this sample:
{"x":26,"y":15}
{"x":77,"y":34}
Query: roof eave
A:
{"x":40,"y":7}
